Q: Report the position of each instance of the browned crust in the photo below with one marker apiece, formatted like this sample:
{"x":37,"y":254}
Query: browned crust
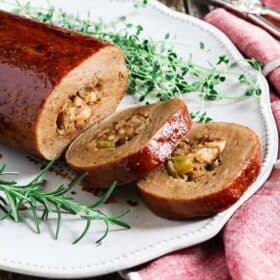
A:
{"x":34,"y":58}
{"x":147,"y":158}
{"x":203,"y":206}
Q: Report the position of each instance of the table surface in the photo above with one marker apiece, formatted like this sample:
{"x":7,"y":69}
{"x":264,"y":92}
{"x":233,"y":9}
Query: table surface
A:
{"x":182,"y":6}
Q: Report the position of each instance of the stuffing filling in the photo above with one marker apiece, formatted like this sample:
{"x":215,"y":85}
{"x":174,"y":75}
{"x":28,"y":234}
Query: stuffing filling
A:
{"x":120,"y":132}
{"x":191,"y":160}
{"x":78,"y":109}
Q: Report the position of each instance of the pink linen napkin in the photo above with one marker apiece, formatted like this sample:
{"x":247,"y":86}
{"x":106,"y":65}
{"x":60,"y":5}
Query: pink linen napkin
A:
{"x":251,"y":237}
{"x":249,"y":246}
{"x":204,"y":262}
{"x":251,"y":40}
{"x":272,"y":4}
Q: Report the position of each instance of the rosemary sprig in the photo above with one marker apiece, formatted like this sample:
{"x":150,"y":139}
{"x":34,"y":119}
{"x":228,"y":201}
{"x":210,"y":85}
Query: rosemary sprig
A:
{"x":156,"y":71}
{"x":16,"y":198}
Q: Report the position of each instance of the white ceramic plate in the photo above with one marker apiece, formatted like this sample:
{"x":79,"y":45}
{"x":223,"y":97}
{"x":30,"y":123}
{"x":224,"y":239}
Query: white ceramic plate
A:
{"x":150,"y":237}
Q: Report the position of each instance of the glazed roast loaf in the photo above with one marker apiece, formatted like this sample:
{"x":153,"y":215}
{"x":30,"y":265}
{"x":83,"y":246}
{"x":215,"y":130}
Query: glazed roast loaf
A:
{"x":129,"y":144}
{"x":54,"y":83}
{"x":207,"y":172}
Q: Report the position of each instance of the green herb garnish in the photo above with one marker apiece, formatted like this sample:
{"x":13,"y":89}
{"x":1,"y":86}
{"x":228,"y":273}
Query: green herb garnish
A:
{"x":200,"y":117}
{"x":201,"y":45}
{"x":14,"y":199}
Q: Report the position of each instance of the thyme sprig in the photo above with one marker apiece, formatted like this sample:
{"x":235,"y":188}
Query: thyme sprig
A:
{"x":156,"y":71}
{"x":15,"y":198}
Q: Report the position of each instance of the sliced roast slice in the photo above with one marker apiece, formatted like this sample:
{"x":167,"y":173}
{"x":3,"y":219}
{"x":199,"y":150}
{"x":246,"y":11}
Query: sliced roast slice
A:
{"x":207,"y":172}
{"x":54,"y":83}
{"x":129,"y":144}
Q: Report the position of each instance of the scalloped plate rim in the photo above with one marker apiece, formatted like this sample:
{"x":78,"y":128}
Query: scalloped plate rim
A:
{"x":179,"y":242}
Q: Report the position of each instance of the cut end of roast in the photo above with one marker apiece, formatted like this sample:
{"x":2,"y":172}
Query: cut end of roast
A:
{"x":55,"y":83}
{"x":129,"y":144}
{"x":216,"y":187}
{"x":87,"y":94}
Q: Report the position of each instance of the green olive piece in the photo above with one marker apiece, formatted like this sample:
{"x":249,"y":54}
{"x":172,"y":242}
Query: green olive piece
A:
{"x":182,"y":164}
{"x":171,"y":169}
{"x":105,"y":144}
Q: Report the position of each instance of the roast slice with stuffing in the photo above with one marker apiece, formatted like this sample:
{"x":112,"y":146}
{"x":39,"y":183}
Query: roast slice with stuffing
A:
{"x":54,"y":83}
{"x":129,"y":144}
{"x":207,"y":172}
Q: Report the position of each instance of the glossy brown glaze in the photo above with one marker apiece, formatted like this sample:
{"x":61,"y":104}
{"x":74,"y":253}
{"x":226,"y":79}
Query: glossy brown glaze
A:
{"x":34,"y":58}
{"x":146,"y":158}
{"x":151,"y":155}
{"x":206,"y":205}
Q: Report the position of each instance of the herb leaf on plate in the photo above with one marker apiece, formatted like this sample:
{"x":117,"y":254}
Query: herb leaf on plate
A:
{"x":14,"y":199}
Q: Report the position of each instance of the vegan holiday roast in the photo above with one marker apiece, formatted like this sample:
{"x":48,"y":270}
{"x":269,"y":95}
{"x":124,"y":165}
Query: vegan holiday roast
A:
{"x":54,"y":83}
{"x":59,"y":90}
